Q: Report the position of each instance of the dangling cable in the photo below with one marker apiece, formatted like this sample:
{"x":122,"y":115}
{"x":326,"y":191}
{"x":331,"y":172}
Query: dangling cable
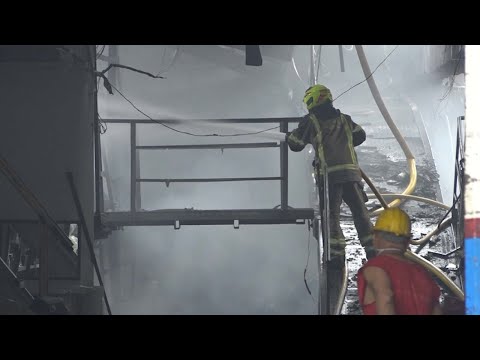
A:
{"x":306,"y":266}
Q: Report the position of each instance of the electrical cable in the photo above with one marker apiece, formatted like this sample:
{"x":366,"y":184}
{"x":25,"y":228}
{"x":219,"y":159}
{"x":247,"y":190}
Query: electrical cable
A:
{"x":186,"y":132}
{"x":391,"y":52}
{"x":103,"y":125}
{"x":453,"y":76}
{"x":100,"y":53}
{"x":109,"y":87}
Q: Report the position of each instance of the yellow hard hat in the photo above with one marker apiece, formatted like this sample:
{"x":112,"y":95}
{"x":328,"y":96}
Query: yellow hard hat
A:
{"x":316,"y":95}
{"x":394,"y":220}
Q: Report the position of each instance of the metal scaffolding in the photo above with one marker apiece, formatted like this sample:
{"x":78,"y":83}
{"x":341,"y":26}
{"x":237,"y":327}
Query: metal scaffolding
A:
{"x":283,"y":214}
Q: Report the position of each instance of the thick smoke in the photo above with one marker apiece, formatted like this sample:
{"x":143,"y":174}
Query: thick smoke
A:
{"x":219,"y":269}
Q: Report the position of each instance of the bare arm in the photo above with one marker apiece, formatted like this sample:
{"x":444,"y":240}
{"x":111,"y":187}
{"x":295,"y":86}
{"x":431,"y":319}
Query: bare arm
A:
{"x":379,"y":283}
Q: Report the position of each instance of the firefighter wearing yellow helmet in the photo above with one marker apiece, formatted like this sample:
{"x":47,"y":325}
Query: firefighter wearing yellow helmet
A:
{"x":334,"y":136}
{"x":389,"y":283}
{"x":316,"y":95}
{"x":396,"y":222}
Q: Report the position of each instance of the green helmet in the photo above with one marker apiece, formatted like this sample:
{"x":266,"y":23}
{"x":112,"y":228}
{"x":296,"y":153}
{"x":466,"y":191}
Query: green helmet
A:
{"x":316,"y":95}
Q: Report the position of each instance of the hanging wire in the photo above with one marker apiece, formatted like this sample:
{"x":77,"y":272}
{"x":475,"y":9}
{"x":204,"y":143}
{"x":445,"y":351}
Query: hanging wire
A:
{"x":109,"y":88}
{"x":100,"y":53}
{"x":186,"y":132}
{"x":369,"y":76}
{"x":103,"y":125}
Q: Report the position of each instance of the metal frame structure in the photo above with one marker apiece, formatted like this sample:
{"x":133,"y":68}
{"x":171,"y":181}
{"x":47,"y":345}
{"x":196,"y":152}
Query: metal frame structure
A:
{"x":282,"y":214}
{"x":42,"y":254}
{"x":50,"y":227}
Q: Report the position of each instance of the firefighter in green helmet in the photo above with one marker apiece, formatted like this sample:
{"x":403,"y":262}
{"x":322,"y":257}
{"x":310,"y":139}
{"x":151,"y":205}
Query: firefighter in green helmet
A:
{"x":334,"y":136}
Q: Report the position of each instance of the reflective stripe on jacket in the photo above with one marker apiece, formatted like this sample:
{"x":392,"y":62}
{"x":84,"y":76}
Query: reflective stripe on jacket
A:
{"x":333,"y":136}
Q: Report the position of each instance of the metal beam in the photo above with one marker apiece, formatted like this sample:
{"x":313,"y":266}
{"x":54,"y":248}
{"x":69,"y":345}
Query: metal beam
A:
{"x":99,"y":197}
{"x":4,"y":241}
{"x":313,"y":80}
{"x":138,"y":191}
{"x":133,"y":166}
{"x":43,"y":277}
{"x":207,"y":217}
{"x":209,"y":179}
{"x":223,"y":121}
{"x":106,"y":175}
{"x":83,"y":223}
{"x":113,"y":74}
{"x":210,"y":146}
{"x":340,"y":53}
{"x":284,"y":169}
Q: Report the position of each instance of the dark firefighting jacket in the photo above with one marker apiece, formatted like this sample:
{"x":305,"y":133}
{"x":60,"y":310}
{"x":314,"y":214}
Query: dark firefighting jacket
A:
{"x":333,"y":136}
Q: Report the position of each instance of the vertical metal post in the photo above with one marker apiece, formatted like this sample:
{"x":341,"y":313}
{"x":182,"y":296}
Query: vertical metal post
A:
{"x":134,"y":273}
{"x":342,"y":64}
{"x":133,"y":166}
{"x":83,"y":223}
{"x":323,"y":294}
{"x":115,"y":268}
{"x":472,"y":181}
{"x":112,"y":75}
{"x":284,"y":168}
{"x":101,"y":258}
{"x":460,"y":180}
{"x":43,"y":261}
{"x":99,"y":198}
{"x":319,"y":63}
{"x":108,"y":182}
{"x":323,"y":246}
{"x":138,"y":199}
{"x":312,"y":65}
{"x":4,"y":242}
{"x":326,"y":214}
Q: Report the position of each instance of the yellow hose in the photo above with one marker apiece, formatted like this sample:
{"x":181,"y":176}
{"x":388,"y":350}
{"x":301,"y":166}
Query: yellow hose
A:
{"x":413,"y":175}
{"x":410,"y":188}
{"x":391,"y":124}
{"x":437,"y":273}
{"x":374,"y":189}
{"x":434,"y":232}
{"x":381,"y":197}
{"x":413,"y":197}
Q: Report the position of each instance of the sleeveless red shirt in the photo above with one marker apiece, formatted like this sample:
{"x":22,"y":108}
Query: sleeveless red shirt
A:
{"x":415,"y":292}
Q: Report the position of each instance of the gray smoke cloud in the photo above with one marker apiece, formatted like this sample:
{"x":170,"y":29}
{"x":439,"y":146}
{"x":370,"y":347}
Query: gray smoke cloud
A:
{"x":219,"y":269}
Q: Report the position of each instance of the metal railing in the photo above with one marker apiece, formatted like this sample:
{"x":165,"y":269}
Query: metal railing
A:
{"x":202,"y":215}
{"x":134,"y":169}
